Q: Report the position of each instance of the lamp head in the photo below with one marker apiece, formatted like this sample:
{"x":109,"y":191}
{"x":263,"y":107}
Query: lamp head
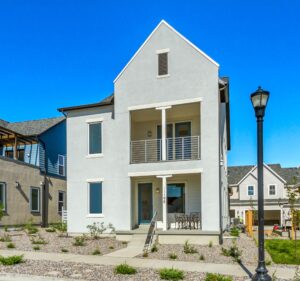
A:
{"x":259,"y":101}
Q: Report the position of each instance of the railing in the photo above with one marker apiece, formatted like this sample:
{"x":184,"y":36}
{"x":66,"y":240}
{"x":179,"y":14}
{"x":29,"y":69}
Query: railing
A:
{"x":64,"y":216}
{"x":151,"y":233}
{"x":181,"y":148}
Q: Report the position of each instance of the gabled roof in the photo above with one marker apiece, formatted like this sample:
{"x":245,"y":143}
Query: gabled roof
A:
{"x":289,"y":175}
{"x":163,"y":22}
{"x":33,"y":127}
{"x":107,"y":101}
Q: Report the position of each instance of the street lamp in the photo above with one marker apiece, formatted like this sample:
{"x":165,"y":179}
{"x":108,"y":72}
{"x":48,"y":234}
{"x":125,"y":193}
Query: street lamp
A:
{"x":259,"y":101}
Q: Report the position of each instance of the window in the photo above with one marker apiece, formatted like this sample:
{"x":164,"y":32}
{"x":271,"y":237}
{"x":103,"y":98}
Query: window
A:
{"x":9,"y":153}
{"x":21,"y":154}
{"x":176,"y":198}
{"x":162,"y":64}
{"x":95,"y":138}
{"x":34,"y":199}
{"x":95,"y":198}
{"x":272,"y":189}
{"x":61,"y":165}
{"x":3,"y":195}
{"x":250,"y":190}
{"x":61,"y":201}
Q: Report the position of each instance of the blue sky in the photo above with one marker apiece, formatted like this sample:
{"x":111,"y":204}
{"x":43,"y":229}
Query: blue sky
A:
{"x":60,"y":53}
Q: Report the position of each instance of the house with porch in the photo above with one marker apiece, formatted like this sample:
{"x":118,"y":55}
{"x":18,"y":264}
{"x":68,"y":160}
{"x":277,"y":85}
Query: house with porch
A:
{"x":242,"y":182}
{"x":156,"y":149}
{"x":33,"y":171}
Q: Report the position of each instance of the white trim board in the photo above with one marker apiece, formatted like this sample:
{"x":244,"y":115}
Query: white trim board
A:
{"x":176,"y":32}
{"x":167,"y":172}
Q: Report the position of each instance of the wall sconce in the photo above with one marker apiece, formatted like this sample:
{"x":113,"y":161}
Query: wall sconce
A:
{"x":17,"y":184}
{"x":41,"y":183}
{"x":157,"y":190}
{"x":149,"y":134}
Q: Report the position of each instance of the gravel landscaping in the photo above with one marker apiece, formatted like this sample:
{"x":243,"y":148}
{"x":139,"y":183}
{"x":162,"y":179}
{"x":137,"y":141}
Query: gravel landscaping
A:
{"x":89,"y":272}
{"x":211,"y":254}
{"x":57,"y":244}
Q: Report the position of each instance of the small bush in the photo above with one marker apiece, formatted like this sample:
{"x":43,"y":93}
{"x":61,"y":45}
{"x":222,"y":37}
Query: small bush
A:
{"x":5,"y":238}
{"x":217,"y":277}
{"x":30,"y":228}
{"x":125,"y":269}
{"x":172,"y":256}
{"x":5,"y":228}
{"x":124,"y":242}
{"x":171,"y":274}
{"x":64,"y":250}
{"x":233,"y":252}
{"x":235,"y":232}
{"x":96,"y":229}
{"x":36,"y":248}
{"x":201,"y":258}
{"x":79,"y":241}
{"x":50,"y":229}
{"x":62,"y":228}
{"x":10,"y":245}
{"x":111,"y":247}
{"x":145,"y":254}
{"x":96,"y":252}
{"x":188,"y":248}
{"x":38,"y":241}
{"x":210,"y":244}
{"x":11,"y":260}
{"x":154,"y":248}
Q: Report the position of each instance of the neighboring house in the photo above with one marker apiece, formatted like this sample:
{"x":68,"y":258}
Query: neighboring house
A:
{"x":158,"y":145}
{"x":243,"y":189}
{"x":33,"y":170}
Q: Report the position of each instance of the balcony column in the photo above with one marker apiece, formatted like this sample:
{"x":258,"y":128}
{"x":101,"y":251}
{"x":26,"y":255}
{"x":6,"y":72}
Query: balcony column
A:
{"x":164,"y":200}
{"x":15,"y":151}
{"x":163,"y":131}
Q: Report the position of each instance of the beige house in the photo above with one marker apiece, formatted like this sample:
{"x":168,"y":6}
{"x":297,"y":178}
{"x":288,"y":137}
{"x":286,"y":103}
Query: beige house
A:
{"x":243,"y":191}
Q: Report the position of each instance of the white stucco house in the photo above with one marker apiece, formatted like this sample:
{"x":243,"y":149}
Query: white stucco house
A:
{"x":243,"y":191}
{"x":157,"y":146}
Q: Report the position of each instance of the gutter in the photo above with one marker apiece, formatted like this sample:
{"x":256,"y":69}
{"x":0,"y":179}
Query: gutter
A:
{"x":220,"y":183}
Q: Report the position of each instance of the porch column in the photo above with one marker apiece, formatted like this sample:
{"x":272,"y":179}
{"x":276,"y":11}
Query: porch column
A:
{"x":15,"y":151}
{"x":164,"y":200}
{"x":163,"y":131}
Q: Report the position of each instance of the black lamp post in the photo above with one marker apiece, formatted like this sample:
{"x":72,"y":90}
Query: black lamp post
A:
{"x":259,"y":101}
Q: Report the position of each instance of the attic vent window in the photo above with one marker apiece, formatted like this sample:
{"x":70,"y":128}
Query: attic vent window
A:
{"x":162,"y":62}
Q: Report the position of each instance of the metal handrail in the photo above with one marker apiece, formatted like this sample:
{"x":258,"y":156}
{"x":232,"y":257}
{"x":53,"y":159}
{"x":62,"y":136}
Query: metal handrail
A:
{"x":151,"y":233}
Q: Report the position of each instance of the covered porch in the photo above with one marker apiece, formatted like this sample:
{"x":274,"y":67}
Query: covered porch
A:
{"x":173,"y":201}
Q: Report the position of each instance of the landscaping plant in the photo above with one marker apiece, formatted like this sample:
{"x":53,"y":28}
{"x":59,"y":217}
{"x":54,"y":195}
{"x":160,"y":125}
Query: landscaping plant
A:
{"x":188,"y":248}
{"x":11,"y":260}
{"x":172,"y":256}
{"x":126,"y":269}
{"x":36,"y":248}
{"x":201,"y":258}
{"x":79,"y":241}
{"x":50,"y":229}
{"x":235,"y":232}
{"x":5,"y":238}
{"x":171,"y":274}
{"x":217,"y":277}
{"x":30,"y":229}
{"x":154,"y":248}
{"x":10,"y":245}
{"x":233,"y":252}
{"x":64,"y":250}
{"x":210,"y":244}
{"x":96,"y":252}
{"x":96,"y":229}
{"x":38,"y":241}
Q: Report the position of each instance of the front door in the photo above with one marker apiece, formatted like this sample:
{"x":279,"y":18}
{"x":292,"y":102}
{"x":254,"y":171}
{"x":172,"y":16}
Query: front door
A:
{"x":145,"y":206}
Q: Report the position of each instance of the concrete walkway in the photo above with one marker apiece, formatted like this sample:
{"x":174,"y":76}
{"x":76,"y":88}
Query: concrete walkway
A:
{"x":230,"y":269}
{"x":134,"y":247}
{"x":22,"y":277}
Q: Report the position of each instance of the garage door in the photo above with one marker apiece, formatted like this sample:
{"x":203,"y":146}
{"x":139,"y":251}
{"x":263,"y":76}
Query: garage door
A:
{"x":271,"y":217}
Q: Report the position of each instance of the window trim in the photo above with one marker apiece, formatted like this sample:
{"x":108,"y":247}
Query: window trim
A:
{"x":3,"y":184}
{"x":89,"y":122}
{"x":39,"y":199}
{"x":253,"y":190}
{"x":275,"y":185}
{"x":64,"y":165}
{"x":64,"y":200}
{"x":94,"y":215}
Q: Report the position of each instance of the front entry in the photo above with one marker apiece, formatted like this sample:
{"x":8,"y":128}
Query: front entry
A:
{"x":145,"y":204}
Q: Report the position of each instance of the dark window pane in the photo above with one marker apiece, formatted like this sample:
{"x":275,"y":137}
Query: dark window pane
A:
{"x":163,"y":64}
{"x":60,"y":160}
{"x":96,"y":198}
{"x":176,"y":198}
{"x":9,"y":153}
{"x":21,"y":154}
{"x":2,"y":194}
{"x":95,"y":145}
{"x":34,"y":199}
{"x":60,"y":196}
{"x":61,"y":170}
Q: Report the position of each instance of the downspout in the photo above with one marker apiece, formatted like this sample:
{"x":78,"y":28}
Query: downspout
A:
{"x":45,"y":195}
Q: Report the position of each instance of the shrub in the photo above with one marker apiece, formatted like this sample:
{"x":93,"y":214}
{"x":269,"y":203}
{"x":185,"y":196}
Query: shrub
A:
{"x":5,"y":238}
{"x":62,"y":228}
{"x":10,"y":245}
{"x":5,"y":228}
{"x":30,"y":228}
{"x":201,"y":258}
{"x":145,"y":254}
{"x":38,"y":241}
{"x":172,"y":256}
{"x":125,"y":269}
{"x":171,"y":274}
{"x":217,"y":277}
{"x":268,"y":262}
{"x":96,"y":252}
{"x":188,"y":248}
{"x":79,"y":241}
{"x":11,"y":260}
{"x":210,"y":244}
{"x":111,"y":247}
{"x":96,"y":229}
{"x":233,"y":252}
{"x":64,"y":250}
{"x":235,"y":232}
{"x":36,"y":248}
{"x":50,"y":229}
{"x":124,"y":242}
{"x":154,"y":248}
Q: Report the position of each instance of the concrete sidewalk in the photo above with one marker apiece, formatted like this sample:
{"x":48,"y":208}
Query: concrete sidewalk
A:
{"x":22,"y":277}
{"x":230,"y":269}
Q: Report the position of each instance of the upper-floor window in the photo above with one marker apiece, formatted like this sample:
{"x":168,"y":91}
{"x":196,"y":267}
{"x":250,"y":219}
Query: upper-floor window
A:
{"x":20,"y":154}
{"x":35,"y":199}
{"x":3,"y":195}
{"x":272,"y":189}
{"x":250,"y":191}
{"x":162,"y":64}
{"x":95,"y":138}
{"x":61,"y":165}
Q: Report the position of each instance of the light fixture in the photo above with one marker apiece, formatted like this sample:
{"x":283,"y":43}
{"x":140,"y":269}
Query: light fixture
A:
{"x":17,"y":184}
{"x":149,"y":134}
{"x":157,"y":190}
{"x":259,"y":101}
